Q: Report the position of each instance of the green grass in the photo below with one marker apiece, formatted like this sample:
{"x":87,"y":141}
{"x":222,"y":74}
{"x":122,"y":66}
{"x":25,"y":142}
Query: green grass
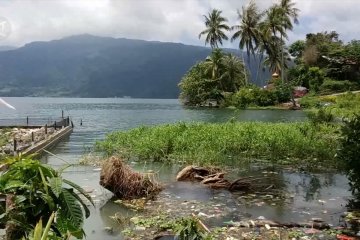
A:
{"x":205,"y":143}
{"x":342,"y":106}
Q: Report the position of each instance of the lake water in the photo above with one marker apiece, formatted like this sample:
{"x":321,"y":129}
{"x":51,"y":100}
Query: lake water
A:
{"x":308,"y":195}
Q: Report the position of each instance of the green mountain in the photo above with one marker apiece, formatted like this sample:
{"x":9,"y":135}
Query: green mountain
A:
{"x":90,"y":66}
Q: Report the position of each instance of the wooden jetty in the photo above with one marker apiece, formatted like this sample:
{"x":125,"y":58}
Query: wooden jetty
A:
{"x":52,"y":132}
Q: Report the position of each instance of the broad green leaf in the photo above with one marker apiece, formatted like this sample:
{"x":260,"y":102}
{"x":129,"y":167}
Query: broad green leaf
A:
{"x":72,"y":210}
{"x":78,"y":188}
{"x":56,"y":185}
{"x":86,"y":209}
{"x":13,"y":184}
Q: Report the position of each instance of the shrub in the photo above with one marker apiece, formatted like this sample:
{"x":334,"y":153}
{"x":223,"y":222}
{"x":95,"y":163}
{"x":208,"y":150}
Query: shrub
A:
{"x":38,"y":191}
{"x":310,"y":102}
{"x":321,"y":116}
{"x":330,"y":86}
{"x":349,"y":150}
{"x":316,"y":78}
{"x":254,"y":96}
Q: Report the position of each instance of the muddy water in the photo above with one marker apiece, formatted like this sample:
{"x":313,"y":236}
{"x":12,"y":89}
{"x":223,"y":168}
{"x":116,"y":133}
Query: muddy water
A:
{"x":298,"y":196}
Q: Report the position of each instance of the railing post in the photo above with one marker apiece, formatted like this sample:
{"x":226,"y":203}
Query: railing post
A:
{"x":32,"y":136}
{"x":15,"y":146}
{"x":45,"y":128}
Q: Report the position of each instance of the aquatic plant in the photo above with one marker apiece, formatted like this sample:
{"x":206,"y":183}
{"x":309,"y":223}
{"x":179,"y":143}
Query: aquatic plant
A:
{"x":206,"y":143}
{"x":35,"y":191}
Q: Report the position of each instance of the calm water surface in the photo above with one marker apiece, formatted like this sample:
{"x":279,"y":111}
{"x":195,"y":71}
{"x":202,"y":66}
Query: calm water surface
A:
{"x":311,"y":195}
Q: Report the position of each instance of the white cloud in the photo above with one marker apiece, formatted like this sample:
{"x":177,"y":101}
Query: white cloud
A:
{"x":163,"y":20}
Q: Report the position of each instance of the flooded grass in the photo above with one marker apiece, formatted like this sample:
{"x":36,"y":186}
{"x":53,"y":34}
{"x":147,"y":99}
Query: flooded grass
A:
{"x":299,"y":144}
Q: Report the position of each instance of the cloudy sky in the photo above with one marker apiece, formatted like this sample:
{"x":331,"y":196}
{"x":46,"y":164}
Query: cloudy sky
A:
{"x":163,"y":20}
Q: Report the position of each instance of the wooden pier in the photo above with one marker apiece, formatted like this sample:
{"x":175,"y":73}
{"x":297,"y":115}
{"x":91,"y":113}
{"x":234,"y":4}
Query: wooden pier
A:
{"x":48,"y":133}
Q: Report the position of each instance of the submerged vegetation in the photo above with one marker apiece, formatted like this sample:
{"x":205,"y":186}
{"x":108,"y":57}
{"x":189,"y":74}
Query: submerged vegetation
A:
{"x":301,"y":144}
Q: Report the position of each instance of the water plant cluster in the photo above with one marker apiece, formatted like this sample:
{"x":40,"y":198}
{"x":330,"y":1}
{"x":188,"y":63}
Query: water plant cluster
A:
{"x":232,"y":142}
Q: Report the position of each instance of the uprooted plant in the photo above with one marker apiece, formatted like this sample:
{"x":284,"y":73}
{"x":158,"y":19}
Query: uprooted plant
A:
{"x":125,"y":183}
{"x":34,"y":191}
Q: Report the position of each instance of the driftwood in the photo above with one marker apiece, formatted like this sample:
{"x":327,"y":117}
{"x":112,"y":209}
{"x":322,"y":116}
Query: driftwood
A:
{"x":214,"y":178}
{"x":125,"y":183}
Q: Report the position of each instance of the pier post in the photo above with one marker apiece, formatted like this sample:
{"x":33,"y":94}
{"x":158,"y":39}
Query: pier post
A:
{"x":45,"y":128}
{"x":81,"y":122}
{"x":62,"y":114}
{"x":32,"y":136}
{"x":15,"y":146}
{"x":27,"y":121}
{"x":55,"y":125}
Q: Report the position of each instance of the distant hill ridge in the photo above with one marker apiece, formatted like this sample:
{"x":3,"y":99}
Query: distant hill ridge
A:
{"x":91,"y":66}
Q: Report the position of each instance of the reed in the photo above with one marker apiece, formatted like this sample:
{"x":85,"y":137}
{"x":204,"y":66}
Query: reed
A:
{"x":208,"y":143}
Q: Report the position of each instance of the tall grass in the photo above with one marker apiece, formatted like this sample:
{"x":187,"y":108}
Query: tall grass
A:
{"x":207,"y":143}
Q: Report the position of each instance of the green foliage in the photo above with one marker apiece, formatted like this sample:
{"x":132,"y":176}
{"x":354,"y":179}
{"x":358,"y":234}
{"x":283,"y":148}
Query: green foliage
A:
{"x":316,"y":78}
{"x":333,"y":86}
{"x":320,"y":116}
{"x":215,"y":28}
{"x":326,"y":51}
{"x":349,"y":150}
{"x":296,"y":50}
{"x":205,"y":143}
{"x":310,"y":102}
{"x":208,"y":80}
{"x":188,"y":228}
{"x":41,"y":233}
{"x":256,"y":96}
{"x":39,"y":192}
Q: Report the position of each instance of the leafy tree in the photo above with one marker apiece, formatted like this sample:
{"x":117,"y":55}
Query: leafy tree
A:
{"x":296,"y":50}
{"x":316,"y":78}
{"x":215,"y":28}
{"x":233,"y":73}
{"x":212,"y":78}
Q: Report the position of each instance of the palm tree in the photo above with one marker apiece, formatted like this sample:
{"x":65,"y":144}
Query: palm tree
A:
{"x":288,"y":12}
{"x":214,"y":63}
{"x":232,"y":76}
{"x":247,"y":31}
{"x":273,"y":29}
{"x":215,"y":28}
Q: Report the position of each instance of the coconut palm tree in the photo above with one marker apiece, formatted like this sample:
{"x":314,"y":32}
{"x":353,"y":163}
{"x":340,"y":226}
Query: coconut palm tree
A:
{"x":233,"y":73}
{"x":215,"y":28}
{"x":273,"y":30}
{"x":214,"y":63}
{"x":288,"y":12}
{"x":247,"y":31}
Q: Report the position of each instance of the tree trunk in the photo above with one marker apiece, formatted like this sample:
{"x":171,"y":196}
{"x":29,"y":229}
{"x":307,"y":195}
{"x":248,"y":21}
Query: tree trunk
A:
{"x":243,"y":59}
{"x":259,"y":65}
